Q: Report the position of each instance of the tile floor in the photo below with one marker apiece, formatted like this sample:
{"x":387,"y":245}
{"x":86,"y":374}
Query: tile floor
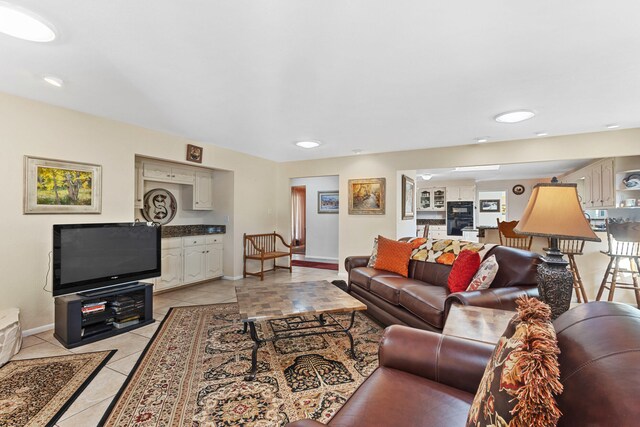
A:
{"x":89,"y":407}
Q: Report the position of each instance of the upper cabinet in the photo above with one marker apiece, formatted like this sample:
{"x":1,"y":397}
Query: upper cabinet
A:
{"x":431,"y":199}
{"x":198,"y":194}
{"x":466,"y":193}
{"x":595,"y":184}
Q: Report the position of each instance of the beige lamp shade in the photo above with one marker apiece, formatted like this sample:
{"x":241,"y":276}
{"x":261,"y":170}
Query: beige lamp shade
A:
{"x":554,"y":211}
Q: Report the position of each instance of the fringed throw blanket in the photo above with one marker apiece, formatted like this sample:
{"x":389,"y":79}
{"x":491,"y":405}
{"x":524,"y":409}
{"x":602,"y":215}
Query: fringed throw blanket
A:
{"x":445,"y":251}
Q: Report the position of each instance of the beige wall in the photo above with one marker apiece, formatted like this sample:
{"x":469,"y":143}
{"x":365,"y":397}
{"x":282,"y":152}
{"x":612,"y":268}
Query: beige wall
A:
{"x":37,"y":129}
{"x":357,"y":232}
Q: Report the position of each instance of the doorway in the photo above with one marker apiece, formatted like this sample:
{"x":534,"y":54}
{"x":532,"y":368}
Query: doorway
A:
{"x":299,"y":219}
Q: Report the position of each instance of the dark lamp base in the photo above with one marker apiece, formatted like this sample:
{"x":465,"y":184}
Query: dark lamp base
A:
{"x":555,"y":282}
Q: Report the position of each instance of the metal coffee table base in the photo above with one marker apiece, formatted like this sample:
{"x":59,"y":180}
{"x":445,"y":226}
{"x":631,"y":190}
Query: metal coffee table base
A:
{"x":319,"y":325}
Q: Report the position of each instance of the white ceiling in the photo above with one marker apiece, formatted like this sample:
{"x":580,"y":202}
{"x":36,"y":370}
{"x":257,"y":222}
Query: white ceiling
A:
{"x":375,"y":75}
{"x":506,"y":172}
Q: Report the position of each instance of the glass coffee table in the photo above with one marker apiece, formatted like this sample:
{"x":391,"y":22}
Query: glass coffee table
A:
{"x":313,"y":302}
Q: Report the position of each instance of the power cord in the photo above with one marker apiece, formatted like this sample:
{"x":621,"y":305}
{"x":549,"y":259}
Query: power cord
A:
{"x":46,"y":277}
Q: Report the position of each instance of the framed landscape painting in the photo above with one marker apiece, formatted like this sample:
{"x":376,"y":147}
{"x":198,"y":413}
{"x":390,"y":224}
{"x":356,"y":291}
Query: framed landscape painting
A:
{"x":328,"y":202}
{"x":367,"y":196}
{"x":490,"y":205}
{"x":57,"y":186}
{"x":408,"y":197}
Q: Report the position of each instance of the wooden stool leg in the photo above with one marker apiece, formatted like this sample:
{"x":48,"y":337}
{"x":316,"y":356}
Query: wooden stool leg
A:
{"x":604,"y":279}
{"x":579,"y":281}
{"x":572,"y":268}
{"x":261,"y":269}
{"x":614,"y":278}
{"x":634,"y":277}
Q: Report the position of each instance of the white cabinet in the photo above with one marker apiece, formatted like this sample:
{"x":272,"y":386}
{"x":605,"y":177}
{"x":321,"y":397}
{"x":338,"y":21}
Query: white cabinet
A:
{"x":437,"y":231}
{"x":167,"y":173}
{"x":608,"y":185}
{"x":201,"y":196}
{"x":431,"y":199}
{"x":595,"y":184}
{"x":138,"y":202}
{"x":190,"y":259}
{"x":171,"y":258}
{"x":465,"y":193}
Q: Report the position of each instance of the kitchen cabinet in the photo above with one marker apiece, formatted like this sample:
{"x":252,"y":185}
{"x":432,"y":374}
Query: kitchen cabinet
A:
{"x":168,"y":173}
{"x":431,"y":199}
{"x":437,"y":231}
{"x":466,"y":193}
{"x":201,"y":197}
{"x":190,"y":259}
{"x":595,"y":184}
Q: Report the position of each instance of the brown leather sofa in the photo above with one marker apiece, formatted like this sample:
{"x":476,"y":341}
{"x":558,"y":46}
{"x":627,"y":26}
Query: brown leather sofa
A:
{"x":422,"y":300}
{"x":429,"y":379}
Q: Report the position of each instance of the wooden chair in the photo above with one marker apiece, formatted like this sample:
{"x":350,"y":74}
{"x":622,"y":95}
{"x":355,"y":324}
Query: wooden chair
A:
{"x":571,"y":248}
{"x":263,"y":247}
{"x":510,"y":238}
{"x":624,"y":244}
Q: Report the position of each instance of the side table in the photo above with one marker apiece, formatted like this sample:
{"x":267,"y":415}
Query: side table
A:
{"x":477,"y":323}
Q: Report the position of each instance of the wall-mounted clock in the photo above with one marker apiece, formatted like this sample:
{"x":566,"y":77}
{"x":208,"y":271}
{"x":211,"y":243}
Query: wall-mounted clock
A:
{"x":518,"y":189}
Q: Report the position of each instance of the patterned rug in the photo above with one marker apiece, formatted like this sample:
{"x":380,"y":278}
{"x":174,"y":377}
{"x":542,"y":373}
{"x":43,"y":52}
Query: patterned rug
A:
{"x":36,"y":392}
{"x":192,"y":373}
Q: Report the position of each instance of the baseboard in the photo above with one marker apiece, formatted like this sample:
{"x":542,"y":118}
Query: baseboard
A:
{"x":231,"y":277}
{"x":39,"y":329}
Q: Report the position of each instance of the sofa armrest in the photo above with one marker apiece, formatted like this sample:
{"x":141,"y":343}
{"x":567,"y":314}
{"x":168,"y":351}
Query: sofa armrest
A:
{"x":448,"y":360}
{"x":305,"y":423}
{"x":351,"y":262}
{"x":499,"y":298}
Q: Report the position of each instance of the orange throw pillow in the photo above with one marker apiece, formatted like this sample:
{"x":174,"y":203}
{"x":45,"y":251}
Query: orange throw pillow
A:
{"x":416,"y":242}
{"x":463,"y":270}
{"x":394,"y":256}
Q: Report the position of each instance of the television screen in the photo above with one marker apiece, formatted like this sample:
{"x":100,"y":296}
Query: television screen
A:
{"x":91,"y":256}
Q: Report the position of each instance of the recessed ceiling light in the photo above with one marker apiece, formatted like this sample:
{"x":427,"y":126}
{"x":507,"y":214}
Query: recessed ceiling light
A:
{"x":482,"y":139}
{"x":541,"y":134}
{"x":514,"y":116}
{"x":477,"y":168}
{"x":357,"y":151}
{"x":426,"y":176}
{"x":23,"y":24}
{"x":613,"y":126}
{"x":308,"y":144}
{"x":53,"y":81}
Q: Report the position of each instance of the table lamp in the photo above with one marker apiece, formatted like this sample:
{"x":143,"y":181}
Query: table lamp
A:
{"x":554,"y":212}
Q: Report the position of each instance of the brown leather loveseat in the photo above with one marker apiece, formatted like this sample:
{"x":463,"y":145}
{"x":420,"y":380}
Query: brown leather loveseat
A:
{"x":429,"y":380}
{"x":422,"y":300}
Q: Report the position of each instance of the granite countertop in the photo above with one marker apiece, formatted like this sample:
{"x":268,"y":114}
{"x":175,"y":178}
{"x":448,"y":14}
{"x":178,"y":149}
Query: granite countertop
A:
{"x":487,"y":227}
{"x":191,"y":230}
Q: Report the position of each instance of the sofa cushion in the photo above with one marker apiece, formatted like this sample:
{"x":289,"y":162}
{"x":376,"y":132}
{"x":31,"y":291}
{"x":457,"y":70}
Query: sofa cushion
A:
{"x":363,"y":275}
{"x":393,"y":256}
{"x":388,"y":287}
{"x":390,"y":397}
{"x":425,"y":301}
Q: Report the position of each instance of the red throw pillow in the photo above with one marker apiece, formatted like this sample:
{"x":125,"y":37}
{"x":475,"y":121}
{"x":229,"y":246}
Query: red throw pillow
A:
{"x":394,"y":256}
{"x":463,"y":270}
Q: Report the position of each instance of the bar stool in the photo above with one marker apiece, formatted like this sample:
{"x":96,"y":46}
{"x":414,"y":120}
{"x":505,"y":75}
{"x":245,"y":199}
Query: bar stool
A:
{"x":624,"y":244}
{"x":571,"y":248}
{"x":510,"y":238}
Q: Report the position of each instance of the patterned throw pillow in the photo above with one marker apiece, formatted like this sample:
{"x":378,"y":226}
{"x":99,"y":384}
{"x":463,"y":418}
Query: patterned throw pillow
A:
{"x":464,"y":268}
{"x":522,"y":376}
{"x":416,"y":242}
{"x":485,"y":275}
{"x":393,"y":256}
{"x":374,"y":254}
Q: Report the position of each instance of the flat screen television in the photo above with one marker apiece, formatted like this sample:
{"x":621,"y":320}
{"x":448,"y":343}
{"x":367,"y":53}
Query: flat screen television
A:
{"x":93,"y":256}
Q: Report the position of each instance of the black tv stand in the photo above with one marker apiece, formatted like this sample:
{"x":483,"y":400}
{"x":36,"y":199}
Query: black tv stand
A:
{"x":126,"y":308}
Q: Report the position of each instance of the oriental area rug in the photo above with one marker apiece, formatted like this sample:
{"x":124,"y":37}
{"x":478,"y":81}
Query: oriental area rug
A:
{"x":192,"y":373}
{"x":36,"y":392}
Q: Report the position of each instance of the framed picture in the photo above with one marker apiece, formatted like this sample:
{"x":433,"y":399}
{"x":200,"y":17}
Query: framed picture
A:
{"x":408,"y":197}
{"x":328,"y":202}
{"x":61,"y":187}
{"x":490,"y":205}
{"x":194,"y":153}
{"x":367,"y":196}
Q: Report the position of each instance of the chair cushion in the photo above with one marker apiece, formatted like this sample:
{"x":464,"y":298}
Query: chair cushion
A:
{"x":390,"y":397}
{"x":523,"y":374}
{"x":425,"y":301}
{"x":388,"y":287}
{"x":393,"y":256}
{"x":362,"y":275}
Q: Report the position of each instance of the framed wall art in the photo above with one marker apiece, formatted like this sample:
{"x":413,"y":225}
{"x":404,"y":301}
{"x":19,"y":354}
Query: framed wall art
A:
{"x":408,"y":197}
{"x":367,"y":196}
{"x":61,"y":187}
{"x":328,"y":202}
{"x":490,"y":205}
{"x":194,"y":153}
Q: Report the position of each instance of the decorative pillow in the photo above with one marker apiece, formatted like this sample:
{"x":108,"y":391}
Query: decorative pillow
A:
{"x":522,"y":376}
{"x":463,"y":270}
{"x":416,"y":242}
{"x":374,"y":254}
{"x":393,"y":256}
{"x":485,"y":274}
